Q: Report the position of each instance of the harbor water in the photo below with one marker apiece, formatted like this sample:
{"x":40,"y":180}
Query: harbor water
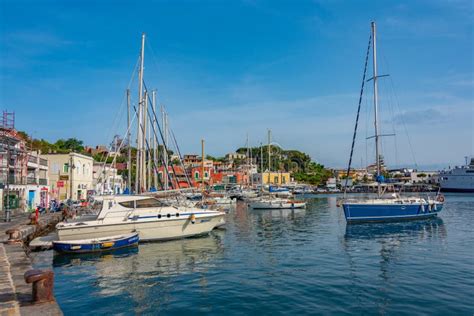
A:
{"x":272,"y":262}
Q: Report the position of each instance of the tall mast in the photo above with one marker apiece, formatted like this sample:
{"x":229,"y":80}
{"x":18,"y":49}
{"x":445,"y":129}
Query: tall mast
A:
{"x":261,"y":167}
{"x":155,"y":175}
{"x":129,"y":140}
{"x":269,"y":150}
{"x":202,"y":163}
{"x":138,"y":176}
{"x":146,"y":147}
{"x":376,"y":122}
{"x":165,"y":146}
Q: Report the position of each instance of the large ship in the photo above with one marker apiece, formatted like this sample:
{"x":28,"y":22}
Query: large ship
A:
{"x":458,"y":179}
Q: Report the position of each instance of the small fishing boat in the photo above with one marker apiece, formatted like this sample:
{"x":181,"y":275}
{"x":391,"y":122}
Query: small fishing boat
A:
{"x":96,"y":244}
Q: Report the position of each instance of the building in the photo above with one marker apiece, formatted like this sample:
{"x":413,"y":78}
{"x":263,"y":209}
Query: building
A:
{"x":70,"y":175}
{"x":235,"y":156}
{"x":276,"y":178}
{"x":23,"y":175}
{"x":106,"y":180}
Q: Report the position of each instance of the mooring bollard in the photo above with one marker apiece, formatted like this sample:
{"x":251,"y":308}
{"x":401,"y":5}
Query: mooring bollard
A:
{"x":14,"y":236}
{"x":42,"y":283}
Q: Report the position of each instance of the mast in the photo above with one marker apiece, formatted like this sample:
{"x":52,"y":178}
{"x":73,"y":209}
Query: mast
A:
{"x":129,"y":136}
{"x":376,"y":123}
{"x":202,"y":163}
{"x":165,"y":146}
{"x":155,"y":175}
{"x":261,"y":167}
{"x":138,"y":175}
{"x":269,"y":151}
{"x":146,"y":142}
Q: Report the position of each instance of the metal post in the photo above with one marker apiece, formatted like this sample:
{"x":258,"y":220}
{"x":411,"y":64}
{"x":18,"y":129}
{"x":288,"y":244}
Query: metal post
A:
{"x":70,"y":177}
{"x":7,"y":207}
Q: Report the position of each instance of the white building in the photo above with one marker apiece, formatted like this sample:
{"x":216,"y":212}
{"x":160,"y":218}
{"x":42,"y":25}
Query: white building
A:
{"x":106,"y":179}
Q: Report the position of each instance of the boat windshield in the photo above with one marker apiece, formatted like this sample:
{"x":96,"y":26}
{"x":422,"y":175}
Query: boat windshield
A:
{"x":145,"y":203}
{"x":96,"y":205}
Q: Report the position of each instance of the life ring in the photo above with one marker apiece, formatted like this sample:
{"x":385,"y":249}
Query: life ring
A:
{"x":440,"y":198}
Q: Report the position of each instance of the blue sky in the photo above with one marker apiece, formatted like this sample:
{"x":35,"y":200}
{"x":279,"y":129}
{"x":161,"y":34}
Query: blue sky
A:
{"x":227,"y":68}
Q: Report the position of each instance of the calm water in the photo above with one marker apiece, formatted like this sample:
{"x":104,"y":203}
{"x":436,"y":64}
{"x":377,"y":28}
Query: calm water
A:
{"x":284,"y":262}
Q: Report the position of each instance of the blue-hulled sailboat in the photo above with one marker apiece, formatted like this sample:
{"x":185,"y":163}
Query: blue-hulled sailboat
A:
{"x":383,"y":208}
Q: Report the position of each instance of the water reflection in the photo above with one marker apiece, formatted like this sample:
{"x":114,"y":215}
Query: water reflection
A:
{"x":423,"y":229}
{"x":391,"y":238}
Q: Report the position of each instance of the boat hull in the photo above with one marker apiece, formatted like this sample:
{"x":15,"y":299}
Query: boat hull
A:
{"x":276,"y":205}
{"x":458,"y":190}
{"x":392,"y":212}
{"x":149,"y":229}
{"x":96,"y":245}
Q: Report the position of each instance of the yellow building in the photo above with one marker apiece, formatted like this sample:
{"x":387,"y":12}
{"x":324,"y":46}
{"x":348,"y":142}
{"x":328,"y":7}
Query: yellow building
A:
{"x":70,"y":175}
{"x":277,"y":178}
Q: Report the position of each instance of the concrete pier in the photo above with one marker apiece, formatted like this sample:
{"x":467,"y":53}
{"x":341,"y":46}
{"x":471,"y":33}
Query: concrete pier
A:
{"x":15,"y":294}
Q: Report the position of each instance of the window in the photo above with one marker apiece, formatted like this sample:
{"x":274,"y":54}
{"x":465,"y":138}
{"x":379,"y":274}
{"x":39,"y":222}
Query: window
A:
{"x":151,"y":202}
{"x":84,"y":169}
{"x":196,"y":175}
{"x":66,"y":167}
{"x":283,"y":179}
{"x":275,"y":179}
{"x":206,"y":174}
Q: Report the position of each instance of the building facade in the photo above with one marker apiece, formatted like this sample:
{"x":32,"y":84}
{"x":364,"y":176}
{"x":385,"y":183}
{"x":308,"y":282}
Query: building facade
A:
{"x":70,"y":175}
{"x":106,"y":180}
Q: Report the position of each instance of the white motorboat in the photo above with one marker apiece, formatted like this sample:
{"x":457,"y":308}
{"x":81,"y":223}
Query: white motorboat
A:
{"x":152,"y":218}
{"x":275,"y":203}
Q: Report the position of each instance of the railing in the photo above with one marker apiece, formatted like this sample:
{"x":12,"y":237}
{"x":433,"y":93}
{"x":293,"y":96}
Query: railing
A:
{"x":31,"y":180}
{"x":43,"y":162}
{"x":13,"y":180}
{"x":32,"y":159}
{"x":43,"y":181}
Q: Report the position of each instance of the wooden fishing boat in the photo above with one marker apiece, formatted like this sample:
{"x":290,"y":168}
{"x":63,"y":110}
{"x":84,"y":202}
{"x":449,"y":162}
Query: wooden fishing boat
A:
{"x":96,"y":244}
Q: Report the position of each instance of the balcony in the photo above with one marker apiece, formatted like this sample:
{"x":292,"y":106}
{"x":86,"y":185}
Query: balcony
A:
{"x":43,"y":181}
{"x":31,"y":180}
{"x":33,"y":159}
{"x":43,"y":162}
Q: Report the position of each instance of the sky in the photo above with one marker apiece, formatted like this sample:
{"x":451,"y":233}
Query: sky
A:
{"x":228,"y":69}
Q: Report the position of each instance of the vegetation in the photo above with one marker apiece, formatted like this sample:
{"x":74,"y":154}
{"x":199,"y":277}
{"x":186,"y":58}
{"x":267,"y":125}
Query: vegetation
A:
{"x":294,"y":161}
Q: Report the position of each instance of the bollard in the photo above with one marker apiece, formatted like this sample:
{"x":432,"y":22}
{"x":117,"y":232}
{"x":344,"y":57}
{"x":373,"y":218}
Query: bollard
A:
{"x":15,"y":236}
{"x":42,"y":284}
{"x":33,"y":219}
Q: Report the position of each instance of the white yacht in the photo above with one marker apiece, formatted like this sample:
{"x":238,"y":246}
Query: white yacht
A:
{"x":458,"y":179}
{"x":272,"y":202}
{"x":152,"y":218}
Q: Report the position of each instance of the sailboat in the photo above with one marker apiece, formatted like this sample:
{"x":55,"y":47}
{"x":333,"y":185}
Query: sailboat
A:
{"x":271,"y":200}
{"x":152,"y":217}
{"x":381,"y":208}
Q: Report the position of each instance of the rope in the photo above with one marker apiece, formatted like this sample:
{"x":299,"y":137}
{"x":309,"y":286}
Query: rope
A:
{"x":357,"y":117}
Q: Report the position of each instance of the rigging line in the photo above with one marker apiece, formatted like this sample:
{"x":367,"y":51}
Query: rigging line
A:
{"x":391,"y":106}
{"x":121,"y":104}
{"x":161,"y":134}
{"x":148,"y":145}
{"x":118,"y":150}
{"x":180,"y":158}
{"x":403,"y":123}
{"x":357,"y":117}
